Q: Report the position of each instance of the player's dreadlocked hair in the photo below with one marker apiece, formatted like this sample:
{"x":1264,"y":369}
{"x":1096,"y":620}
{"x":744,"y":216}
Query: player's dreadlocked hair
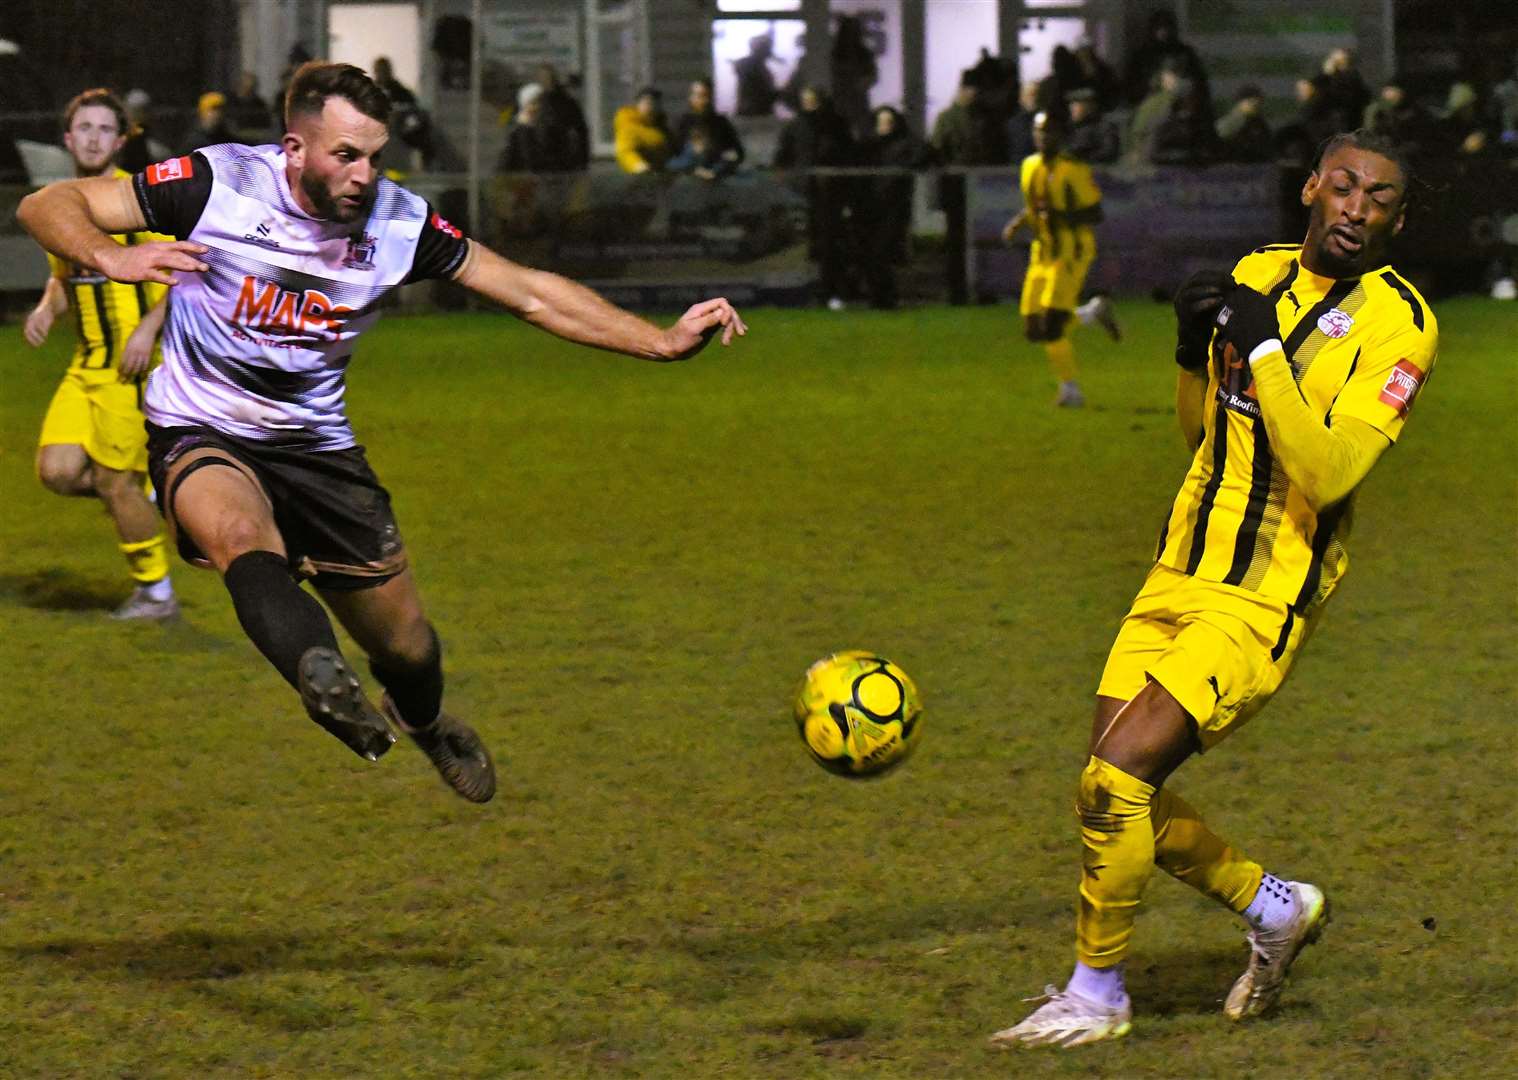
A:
{"x":98,"y":96}
{"x":317,"y":80}
{"x":1376,"y":143}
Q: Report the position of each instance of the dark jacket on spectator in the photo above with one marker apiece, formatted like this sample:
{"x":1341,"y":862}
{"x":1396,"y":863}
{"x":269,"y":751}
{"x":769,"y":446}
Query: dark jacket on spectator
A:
{"x":564,"y":129}
{"x":724,"y":137}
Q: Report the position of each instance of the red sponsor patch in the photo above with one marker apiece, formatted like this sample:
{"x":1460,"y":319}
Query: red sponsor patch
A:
{"x":440,"y":223}
{"x":1402,"y":386}
{"x":180,"y":168}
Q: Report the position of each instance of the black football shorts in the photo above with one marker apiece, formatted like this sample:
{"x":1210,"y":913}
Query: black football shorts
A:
{"x":329,"y":507}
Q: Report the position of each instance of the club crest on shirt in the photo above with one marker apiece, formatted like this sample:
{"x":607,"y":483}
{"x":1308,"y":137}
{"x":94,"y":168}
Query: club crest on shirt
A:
{"x":1402,"y":386}
{"x":1334,"y":323}
{"x":361,"y":252}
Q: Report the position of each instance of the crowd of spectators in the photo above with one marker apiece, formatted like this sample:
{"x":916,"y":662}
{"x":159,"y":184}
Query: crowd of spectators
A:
{"x":1158,"y":110}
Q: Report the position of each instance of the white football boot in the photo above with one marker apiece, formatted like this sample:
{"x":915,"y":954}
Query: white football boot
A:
{"x":1272,"y":951}
{"x":1066,"y":1019}
{"x":142,"y":606}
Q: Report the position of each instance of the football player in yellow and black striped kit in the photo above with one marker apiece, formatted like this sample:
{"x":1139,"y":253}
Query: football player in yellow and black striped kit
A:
{"x":1061,"y":204}
{"x":93,"y":441}
{"x":1297,"y":374}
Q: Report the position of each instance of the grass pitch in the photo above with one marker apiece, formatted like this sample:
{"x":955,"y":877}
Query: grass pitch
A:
{"x":631,"y":566}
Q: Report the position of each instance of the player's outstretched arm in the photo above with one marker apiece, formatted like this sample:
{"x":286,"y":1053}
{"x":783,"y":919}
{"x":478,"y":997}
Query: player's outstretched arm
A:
{"x":575,"y":313}
{"x":73,"y":220}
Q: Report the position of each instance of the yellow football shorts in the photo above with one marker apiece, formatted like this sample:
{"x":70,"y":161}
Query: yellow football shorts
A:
{"x":1053,"y":286}
{"x":1221,"y":651}
{"x":98,"y":411}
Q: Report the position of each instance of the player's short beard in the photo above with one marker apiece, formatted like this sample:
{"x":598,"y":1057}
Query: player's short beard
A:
{"x":326,"y":205}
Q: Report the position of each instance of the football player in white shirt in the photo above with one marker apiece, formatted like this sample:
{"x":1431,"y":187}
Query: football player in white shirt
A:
{"x":283,"y":253}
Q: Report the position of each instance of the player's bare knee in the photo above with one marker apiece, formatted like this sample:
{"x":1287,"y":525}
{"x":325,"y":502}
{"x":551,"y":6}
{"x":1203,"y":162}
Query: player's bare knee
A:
{"x":64,"y":473}
{"x":61,"y":481}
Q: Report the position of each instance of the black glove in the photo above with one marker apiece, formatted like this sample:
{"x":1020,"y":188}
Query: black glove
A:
{"x":1196,"y":309}
{"x":1247,"y":320}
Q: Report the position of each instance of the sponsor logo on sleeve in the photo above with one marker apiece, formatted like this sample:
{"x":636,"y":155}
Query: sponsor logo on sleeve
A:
{"x":1402,"y":386}
{"x":1335,"y":323}
{"x":180,"y":168}
{"x":441,"y":224}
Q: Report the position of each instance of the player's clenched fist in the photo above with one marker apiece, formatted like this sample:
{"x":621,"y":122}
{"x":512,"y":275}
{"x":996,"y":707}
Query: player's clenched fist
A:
{"x":1197,"y":303}
{"x":1247,"y":320}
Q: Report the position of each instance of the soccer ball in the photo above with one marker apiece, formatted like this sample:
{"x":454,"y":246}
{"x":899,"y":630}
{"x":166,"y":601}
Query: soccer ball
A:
{"x":858,"y":713}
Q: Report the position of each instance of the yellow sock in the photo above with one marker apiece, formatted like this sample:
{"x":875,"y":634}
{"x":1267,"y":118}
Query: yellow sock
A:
{"x":1187,"y":850}
{"x":1117,"y":839}
{"x":1061,"y":358}
{"x":146,"y":560}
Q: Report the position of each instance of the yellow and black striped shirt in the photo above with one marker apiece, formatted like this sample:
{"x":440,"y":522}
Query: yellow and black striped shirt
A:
{"x":105,"y":311}
{"x":1358,"y":347}
{"x":1063,"y":186}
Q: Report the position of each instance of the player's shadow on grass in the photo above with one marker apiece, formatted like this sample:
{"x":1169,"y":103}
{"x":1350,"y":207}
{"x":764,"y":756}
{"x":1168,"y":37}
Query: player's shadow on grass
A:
{"x":229,"y":970}
{"x":1184,"y":983}
{"x":61,"y":590}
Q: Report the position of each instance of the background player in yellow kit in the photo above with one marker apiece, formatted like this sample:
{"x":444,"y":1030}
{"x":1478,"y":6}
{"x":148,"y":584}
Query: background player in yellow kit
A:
{"x":93,"y":442}
{"x":1061,"y":203}
{"x":1319,"y":352}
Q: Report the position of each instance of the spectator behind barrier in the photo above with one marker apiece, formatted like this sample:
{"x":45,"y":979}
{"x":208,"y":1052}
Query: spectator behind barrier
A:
{"x":884,"y":219}
{"x":1297,"y":142}
{"x":1020,"y":123}
{"x":526,"y":150}
{"x":1186,"y":136}
{"x":210,"y":123}
{"x":854,"y":71}
{"x":817,"y":136}
{"x":1243,"y":132}
{"x":1461,"y":131}
{"x":1162,"y":46}
{"x":720,"y":133}
{"x":140,"y":149}
{"x":563,"y":121}
{"x":642,"y":140}
{"x":1151,"y":113}
{"x":247,"y":112}
{"x":407,"y":120}
{"x":1092,"y":137}
{"x":1097,"y":75}
{"x":1342,"y":93}
{"x":702,"y":155}
{"x":1397,"y":116}
{"x":966,"y":133}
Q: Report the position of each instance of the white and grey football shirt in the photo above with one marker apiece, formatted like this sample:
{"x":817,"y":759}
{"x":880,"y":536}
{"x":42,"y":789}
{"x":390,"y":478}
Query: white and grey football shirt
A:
{"x":258,"y":345}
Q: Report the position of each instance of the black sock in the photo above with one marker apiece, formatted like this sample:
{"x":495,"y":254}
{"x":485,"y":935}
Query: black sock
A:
{"x":417,"y":691}
{"x":278,"y":616}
